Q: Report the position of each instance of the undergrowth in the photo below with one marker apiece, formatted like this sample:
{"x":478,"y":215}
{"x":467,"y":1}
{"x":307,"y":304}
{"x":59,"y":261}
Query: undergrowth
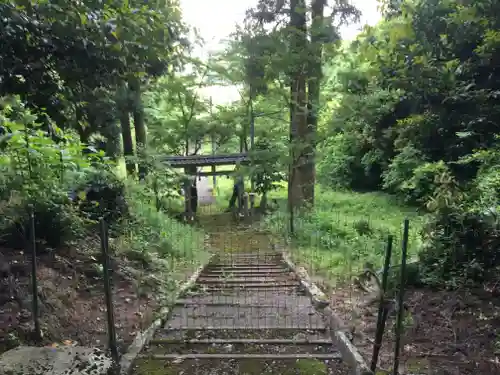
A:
{"x":345,"y":231}
{"x":152,"y":233}
{"x":69,"y":190}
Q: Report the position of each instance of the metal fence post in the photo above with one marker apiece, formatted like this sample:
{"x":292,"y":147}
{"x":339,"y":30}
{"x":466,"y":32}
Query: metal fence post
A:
{"x":399,"y":321}
{"x":107,"y":291}
{"x":382,"y":310}
{"x":34,"y":280}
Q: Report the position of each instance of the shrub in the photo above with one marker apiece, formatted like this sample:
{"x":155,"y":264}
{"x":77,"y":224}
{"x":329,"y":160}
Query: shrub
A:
{"x":345,"y":230}
{"x":460,"y":244}
{"x":152,"y":233}
{"x":101,"y":194}
{"x":460,"y":247}
{"x":33,"y":167}
{"x":69,"y":190}
{"x":340,"y":166}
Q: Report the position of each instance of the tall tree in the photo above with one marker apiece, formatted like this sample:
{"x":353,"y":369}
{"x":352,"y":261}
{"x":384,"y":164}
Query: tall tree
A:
{"x":139,"y":126}
{"x":299,"y":179}
{"x":313,"y":88}
{"x":123,"y":101}
{"x":301,"y":53}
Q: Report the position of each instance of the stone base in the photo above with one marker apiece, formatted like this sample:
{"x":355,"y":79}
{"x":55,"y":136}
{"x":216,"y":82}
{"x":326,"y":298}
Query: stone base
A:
{"x":28,"y":360}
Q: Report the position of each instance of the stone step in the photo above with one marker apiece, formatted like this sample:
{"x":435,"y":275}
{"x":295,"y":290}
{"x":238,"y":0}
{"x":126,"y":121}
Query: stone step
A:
{"x":252,"y":341}
{"x":247,"y":267}
{"x":226,"y":356}
{"x":250,"y":297}
{"x":238,"y":272}
{"x":246,"y":285}
{"x":243,"y":280}
{"x":295,"y":320}
{"x":191,"y":303}
{"x":301,"y":332}
{"x":242,"y":364}
{"x":231,"y":310}
{"x":240,"y":346}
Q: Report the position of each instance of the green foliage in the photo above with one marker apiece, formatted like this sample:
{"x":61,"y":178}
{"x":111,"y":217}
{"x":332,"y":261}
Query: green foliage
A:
{"x":460,"y":246}
{"x":68,"y":61}
{"x":70,"y":190}
{"x":413,"y":111}
{"x":267,"y":170}
{"x":175,"y":113}
{"x":340,"y":165}
{"x":345,"y":230}
{"x":356,"y":152}
{"x":152,"y":233}
{"x":35,"y":170}
{"x":403,"y":120}
{"x":101,"y":194}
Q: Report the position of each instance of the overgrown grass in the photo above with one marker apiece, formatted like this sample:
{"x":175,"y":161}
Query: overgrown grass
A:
{"x":159,"y":233}
{"x":224,"y":188}
{"x":344,"y":231}
{"x":160,"y":241}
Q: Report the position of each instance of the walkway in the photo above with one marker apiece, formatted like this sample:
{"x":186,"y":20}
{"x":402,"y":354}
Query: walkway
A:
{"x":246,"y":315}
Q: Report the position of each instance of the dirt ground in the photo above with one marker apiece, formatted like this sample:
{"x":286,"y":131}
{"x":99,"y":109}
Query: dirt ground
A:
{"x":445,"y":332}
{"x":72,"y":303}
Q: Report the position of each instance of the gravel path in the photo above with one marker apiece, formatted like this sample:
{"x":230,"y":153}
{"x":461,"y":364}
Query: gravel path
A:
{"x":205,"y":191}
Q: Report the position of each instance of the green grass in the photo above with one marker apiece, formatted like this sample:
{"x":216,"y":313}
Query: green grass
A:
{"x":154,"y":236}
{"x":345,"y":230}
{"x":246,"y":367}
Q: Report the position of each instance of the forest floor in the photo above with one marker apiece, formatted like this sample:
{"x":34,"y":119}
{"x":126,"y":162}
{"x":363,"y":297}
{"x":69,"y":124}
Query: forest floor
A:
{"x":71,"y":295}
{"x":444,"y":332}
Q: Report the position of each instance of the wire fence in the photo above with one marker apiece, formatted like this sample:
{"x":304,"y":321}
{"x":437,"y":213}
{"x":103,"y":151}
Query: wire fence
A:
{"x":365,"y":267}
{"x":421,"y":313}
{"x":99,"y":291}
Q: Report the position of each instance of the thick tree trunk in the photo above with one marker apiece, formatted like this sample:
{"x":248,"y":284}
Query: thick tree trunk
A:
{"x":314,"y":81}
{"x":128,"y":145}
{"x":140,"y":128}
{"x":112,"y":136}
{"x":298,"y":110}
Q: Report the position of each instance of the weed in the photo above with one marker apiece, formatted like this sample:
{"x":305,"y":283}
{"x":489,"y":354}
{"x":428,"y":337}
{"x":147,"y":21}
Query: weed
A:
{"x":344,"y":231}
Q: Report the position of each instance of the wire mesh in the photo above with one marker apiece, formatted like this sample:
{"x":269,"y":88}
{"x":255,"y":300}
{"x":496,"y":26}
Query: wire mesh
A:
{"x":247,"y":309}
{"x":247,"y":302}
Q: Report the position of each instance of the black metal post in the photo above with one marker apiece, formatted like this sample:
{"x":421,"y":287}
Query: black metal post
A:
{"x":61,"y":161}
{"x":157,"y":194}
{"x":34,"y":280}
{"x":187,"y":197}
{"x":382,"y":310}
{"x":399,"y":321}
{"x":214,"y":177}
{"x":291,"y":226}
{"x":107,"y":292}
{"x":252,"y":148}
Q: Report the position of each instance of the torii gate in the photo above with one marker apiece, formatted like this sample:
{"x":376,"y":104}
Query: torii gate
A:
{"x":191,"y":163}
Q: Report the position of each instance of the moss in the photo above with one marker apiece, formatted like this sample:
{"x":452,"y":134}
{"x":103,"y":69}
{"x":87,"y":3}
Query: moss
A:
{"x":153,"y":367}
{"x":246,"y":367}
{"x":311,"y":367}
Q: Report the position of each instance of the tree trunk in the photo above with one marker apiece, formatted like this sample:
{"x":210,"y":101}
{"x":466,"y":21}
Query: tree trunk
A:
{"x":314,"y":82}
{"x":140,"y":128}
{"x":124,"y":114}
{"x":298,"y":110}
{"x":112,"y":135}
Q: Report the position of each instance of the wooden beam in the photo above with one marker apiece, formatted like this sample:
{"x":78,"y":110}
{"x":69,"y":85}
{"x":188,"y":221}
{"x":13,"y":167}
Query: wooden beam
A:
{"x":216,"y":173}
